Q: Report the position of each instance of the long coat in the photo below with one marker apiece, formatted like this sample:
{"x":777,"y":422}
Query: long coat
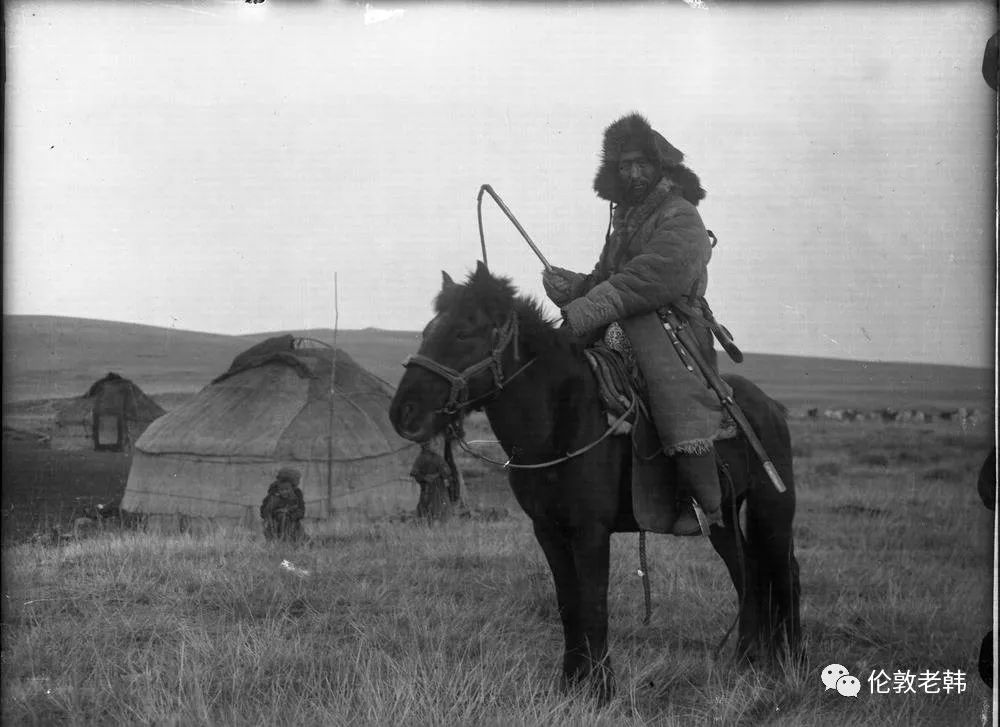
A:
{"x":656,"y":255}
{"x":433,"y":474}
{"x":282,"y":511}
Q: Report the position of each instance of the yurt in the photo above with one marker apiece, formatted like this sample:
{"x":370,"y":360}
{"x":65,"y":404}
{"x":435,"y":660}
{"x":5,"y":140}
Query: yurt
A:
{"x":286,"y":402}
{"x":110,"y":416}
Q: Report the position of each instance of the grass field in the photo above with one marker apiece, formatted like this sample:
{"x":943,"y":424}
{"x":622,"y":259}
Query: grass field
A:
{"x":400,"y":623}
{"x":45,"y":489}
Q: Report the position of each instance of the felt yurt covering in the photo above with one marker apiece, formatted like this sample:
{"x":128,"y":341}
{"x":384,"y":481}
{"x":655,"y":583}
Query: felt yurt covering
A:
{"x":112,"y":413}
{"x":216,"y":454}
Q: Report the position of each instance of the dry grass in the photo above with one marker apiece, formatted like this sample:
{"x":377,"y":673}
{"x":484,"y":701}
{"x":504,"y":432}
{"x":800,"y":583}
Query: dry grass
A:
{"x":456,"y":624}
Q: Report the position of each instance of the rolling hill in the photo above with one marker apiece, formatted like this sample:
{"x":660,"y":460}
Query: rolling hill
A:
{"x":51,"y":357}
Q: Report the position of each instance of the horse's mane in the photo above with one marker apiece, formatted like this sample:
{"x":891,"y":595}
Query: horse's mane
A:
{"x":565,"y":367}
{"x":498,"y":297}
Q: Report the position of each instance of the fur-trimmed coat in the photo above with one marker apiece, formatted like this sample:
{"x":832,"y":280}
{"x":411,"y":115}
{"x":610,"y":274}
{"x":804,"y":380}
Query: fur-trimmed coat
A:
{"x":657,"y":254}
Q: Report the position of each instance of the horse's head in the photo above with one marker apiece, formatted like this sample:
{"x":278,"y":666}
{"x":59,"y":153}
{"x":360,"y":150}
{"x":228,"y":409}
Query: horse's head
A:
{"x":466,"y":349}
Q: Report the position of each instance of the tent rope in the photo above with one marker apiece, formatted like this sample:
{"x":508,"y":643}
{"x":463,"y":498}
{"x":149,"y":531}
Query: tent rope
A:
{"x":384,"y":483}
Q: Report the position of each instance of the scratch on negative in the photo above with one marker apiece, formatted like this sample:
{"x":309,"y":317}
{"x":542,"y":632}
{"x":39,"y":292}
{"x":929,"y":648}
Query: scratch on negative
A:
{"x":374,"y":15}
{"x":181,"y":7}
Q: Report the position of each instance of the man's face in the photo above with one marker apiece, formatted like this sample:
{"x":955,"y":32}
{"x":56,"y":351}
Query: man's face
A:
{"x":638,"y":175}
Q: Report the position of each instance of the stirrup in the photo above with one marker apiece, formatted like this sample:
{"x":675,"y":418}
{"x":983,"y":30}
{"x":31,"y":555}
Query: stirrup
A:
{"x":703,"y":521}
{"x":685,"y":515}
{"x":700,"y":515}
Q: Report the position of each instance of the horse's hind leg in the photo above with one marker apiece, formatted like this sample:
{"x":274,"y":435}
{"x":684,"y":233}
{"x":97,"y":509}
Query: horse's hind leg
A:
{"x":730,"y":545}
{"x":770,"y":533}
{"x":769,"y":525}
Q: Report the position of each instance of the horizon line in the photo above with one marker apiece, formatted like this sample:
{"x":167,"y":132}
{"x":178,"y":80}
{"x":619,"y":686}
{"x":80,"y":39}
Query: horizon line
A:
{"x":254,"y":334}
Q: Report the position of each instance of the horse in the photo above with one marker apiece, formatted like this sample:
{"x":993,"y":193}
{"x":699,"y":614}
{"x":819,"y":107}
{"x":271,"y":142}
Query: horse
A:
{"x":488,"y":348}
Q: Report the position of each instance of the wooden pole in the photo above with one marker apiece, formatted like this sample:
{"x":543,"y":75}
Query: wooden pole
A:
{"x":333,"y":393}
{"x":457,"y":495}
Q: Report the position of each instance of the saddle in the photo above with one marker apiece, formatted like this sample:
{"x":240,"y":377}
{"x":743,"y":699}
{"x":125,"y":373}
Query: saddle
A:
{"x":617,"y":387}
{"x":621,"y":391}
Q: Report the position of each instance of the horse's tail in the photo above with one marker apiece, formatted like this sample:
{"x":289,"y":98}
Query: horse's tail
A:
{"x":754,"y":401}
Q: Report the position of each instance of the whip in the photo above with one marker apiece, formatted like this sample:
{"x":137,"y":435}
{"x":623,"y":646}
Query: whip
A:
{"x":510,"y":215}
{"x":686,"y":348}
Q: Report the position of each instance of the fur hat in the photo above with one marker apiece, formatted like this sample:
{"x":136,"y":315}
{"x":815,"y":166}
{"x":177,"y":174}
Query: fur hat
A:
{"x":633,"y":133}
{"x":289,"y":474}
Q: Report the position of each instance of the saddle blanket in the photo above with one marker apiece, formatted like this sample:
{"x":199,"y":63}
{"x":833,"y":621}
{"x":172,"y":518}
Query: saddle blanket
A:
{"x":654,"y":488}
{"x":620,"y":386}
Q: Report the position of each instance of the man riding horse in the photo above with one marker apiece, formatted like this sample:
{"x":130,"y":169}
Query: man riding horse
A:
{"x":655,"y":259}
{"x":489,"y":349}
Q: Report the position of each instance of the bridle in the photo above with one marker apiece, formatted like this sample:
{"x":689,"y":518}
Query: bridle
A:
{"x":503,"y":336}
{"x":458,"y":397}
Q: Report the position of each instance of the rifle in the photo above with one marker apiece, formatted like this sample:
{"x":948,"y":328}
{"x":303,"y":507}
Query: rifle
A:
{"x":688,"y":349}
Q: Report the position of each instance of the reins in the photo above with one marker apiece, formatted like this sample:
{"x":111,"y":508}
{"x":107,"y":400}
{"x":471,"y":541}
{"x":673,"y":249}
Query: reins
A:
{"x":509,"y":464}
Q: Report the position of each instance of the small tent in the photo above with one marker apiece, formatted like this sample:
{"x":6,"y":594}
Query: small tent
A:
{"x":282,"y":403}
{"x":110,"y":416}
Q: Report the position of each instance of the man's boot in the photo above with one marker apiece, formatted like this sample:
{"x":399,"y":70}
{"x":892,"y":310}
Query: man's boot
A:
{"x":686,"y":522}
{"x":698,"y":474}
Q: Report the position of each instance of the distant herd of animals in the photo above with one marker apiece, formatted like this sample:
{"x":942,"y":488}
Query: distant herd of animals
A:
{"x":963,"y":416}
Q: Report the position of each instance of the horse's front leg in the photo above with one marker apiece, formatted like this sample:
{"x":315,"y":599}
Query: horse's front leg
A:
{"x":591,"y":545}
{"x":555,"y":544}
{"x":771,"y":537}
{"x":579,"y":563}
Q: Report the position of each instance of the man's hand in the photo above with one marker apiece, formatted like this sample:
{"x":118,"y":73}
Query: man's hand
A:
{"x":573,"y":340}
{"x":583,"y":316}
{"x":561,"y":284}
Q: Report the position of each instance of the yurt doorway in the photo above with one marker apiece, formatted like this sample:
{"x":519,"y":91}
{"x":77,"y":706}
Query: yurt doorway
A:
{"x":110,"y":432}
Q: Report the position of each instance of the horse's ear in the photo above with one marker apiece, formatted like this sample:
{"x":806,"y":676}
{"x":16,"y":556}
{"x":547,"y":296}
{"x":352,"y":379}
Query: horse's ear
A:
{"x":446,"y":281}
{"x":481,"y":269}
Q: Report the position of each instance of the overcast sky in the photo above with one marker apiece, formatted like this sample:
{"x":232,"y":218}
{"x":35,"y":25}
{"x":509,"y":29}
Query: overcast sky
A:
{"x":211,"y":165}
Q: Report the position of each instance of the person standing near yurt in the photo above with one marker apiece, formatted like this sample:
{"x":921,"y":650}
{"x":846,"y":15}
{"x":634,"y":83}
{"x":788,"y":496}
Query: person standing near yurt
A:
{"x":284,"y":507}
{"x":432,"y":473}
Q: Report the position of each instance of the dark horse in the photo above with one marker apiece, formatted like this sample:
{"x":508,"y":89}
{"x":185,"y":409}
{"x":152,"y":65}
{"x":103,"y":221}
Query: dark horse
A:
{"x":489,"y":349}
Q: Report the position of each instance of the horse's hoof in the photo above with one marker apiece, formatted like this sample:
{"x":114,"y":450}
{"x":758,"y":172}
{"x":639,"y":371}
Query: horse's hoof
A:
{"x":599,"y":685}
{"x":746,"y":656}
{"x":794,"y":657}
{"x":604,"y":688}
